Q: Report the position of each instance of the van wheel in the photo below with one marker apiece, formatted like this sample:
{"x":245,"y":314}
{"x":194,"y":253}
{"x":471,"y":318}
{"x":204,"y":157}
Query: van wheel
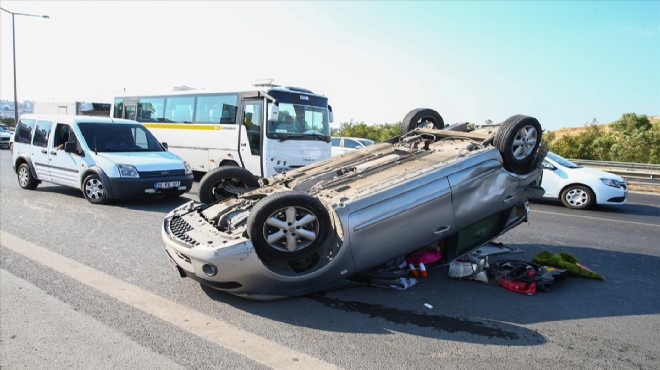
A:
{"x":25,"y":178}
{"x":94,"y":190}
{"x":289,"y":225}
{"x":216,"y":185}
{"x":517,"y":140}
{"x":421,"y":118}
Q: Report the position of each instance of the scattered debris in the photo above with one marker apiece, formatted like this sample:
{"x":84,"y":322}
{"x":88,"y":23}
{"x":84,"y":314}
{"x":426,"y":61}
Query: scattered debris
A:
{"x":565,"y":261}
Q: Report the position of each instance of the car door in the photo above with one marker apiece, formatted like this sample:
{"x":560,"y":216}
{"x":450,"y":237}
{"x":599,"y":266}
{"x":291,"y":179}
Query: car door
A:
{"x":64,"y":167}
{"x":553,"y":176}
{"x":39,"y":149}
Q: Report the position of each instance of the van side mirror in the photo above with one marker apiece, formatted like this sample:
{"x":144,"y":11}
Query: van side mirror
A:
{"x":274,"y":113}
{"x":164,"y":144}
{"x":70,"y":147}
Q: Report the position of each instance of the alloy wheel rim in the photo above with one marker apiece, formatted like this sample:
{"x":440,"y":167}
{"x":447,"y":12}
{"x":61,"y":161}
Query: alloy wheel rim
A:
{"x":524,"y":142}
{"x":291,"y":229}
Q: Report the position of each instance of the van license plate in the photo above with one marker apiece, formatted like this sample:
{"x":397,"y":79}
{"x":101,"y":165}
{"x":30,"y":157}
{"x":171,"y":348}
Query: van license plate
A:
{"x":167,"y":184}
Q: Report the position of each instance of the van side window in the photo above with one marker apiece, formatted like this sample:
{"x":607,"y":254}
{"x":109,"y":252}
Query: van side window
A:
{"x":61,"y":134}
{"x":41,"y":133}
{"x":24,"y":130}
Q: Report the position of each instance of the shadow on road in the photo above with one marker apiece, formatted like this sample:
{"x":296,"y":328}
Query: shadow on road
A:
{"x":469,"y":311}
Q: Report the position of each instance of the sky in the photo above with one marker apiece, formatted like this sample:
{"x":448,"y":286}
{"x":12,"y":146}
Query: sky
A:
{"x":563,"y":62}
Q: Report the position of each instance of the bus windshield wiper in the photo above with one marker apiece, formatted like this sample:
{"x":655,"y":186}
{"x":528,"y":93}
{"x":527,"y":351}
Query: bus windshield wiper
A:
{"x":305,"y":136}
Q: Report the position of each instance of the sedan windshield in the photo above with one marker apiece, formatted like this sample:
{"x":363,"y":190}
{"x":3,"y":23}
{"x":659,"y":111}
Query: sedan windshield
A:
{"x":561,"y":160}
{"x":114,"y":137}
{"x":300,"y":122}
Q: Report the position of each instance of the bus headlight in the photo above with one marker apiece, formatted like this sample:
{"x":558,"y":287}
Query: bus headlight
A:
{"x":188,"y":167}
{"x":127,"y":170}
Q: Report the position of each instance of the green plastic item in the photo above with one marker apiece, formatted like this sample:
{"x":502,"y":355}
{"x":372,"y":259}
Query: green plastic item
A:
{"x":565,"y":261}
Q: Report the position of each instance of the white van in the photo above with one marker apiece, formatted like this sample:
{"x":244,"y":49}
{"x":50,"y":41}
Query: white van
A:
{"x":105,"y":158}
{"x":578,"y":187}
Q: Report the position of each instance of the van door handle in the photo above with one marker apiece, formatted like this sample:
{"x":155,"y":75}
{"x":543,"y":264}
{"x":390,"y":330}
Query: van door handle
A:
{"x":44,"y":151}
{"x":441,"y":230}
{"x":243,"y":144}
{"x":53,"y":152}
{"x":508,"y":199}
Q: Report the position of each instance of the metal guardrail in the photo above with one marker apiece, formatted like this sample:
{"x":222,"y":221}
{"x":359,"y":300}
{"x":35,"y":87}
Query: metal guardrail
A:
{"x":631,"y":171}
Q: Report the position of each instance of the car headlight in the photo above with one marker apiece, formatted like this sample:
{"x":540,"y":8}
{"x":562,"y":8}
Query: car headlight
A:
{"x":188,"y":167}
{"x":127,"y":170}
{"x":611,"y":182}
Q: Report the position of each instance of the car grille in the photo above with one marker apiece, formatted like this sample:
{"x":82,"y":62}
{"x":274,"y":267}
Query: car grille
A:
{"x":4,"y":139}
{"x":179,"y":227}
{"x":147,"y":174}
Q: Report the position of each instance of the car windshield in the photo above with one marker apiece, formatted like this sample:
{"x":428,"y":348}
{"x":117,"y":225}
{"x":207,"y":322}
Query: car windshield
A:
{"x":561,"y":160}
{"x":300,"y":122}
{"x":114,"y":137}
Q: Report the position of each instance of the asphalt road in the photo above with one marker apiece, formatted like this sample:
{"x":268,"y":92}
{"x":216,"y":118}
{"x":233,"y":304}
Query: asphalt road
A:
{"x":85,"y":286}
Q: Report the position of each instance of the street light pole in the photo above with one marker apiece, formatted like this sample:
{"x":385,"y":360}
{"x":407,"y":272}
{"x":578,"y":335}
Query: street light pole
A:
{"x":13,"y":37}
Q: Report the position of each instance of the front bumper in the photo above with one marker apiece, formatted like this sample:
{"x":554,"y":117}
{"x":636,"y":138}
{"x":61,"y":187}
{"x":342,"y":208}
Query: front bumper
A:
{"x":610,"y":195}
{"x":124,"y":188}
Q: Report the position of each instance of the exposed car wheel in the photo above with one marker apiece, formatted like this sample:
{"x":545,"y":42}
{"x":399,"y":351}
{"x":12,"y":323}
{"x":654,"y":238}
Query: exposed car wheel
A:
{"x":212,"y":186}
{"x":288,"y":224}
{"x":517,"y":140}
{"x":578,"y":197}
{"x":25,"y":178}
{"x":94,"y":189}
{"x":421,"y":118}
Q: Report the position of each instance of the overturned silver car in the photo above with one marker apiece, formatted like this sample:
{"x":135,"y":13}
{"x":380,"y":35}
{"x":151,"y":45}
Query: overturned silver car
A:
{"x":320,"y":226}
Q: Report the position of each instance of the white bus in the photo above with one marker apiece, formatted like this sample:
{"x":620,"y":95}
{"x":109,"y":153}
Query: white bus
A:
{"x":236,"y":137}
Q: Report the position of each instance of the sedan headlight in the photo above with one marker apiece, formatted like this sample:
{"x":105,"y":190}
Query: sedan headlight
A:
{"x":188,"y":167}
{"x":611,"y":182}
{"x":127,"y":170}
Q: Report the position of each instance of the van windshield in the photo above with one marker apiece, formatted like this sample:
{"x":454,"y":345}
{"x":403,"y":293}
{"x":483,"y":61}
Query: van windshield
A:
{"x":114,"y":137}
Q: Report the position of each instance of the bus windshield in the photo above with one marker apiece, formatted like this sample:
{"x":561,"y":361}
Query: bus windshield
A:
{"x":112,"y":137}
{"x":300,"y":122}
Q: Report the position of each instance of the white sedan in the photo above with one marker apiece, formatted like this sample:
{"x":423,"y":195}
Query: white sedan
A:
{"x":578,"y":187}
{"x":341,"y":145}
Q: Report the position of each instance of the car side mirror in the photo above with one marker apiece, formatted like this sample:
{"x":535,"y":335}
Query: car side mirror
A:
{"x":164,"y":144}
{"x":549,"y":166}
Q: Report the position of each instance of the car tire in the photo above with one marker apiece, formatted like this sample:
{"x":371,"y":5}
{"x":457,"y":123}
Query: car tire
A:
{"x":211,"y":186}
{"x":578,"y":197}
{"x":25,"y":178}
{"x":518,"y":139}
{"x":94,"y":189}
{"x":421,"y":118}
{"x":288,"y":225}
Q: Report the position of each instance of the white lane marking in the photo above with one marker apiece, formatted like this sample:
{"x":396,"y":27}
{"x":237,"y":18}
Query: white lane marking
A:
{"x":219,"y":332}
{"x":595,"y":218}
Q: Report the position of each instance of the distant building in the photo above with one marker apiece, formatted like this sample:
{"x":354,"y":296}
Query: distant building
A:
{"x":73,"y":108}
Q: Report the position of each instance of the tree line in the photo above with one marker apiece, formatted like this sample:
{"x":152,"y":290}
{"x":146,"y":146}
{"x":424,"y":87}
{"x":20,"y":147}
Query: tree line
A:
{"x":632,"y":138}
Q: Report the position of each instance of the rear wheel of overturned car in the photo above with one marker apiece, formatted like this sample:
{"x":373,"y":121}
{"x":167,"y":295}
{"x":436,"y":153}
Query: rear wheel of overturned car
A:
{"x":518,"y":140}
{"x":578,"y":197}
{"x":25,"y":178}
{"x":94,"y":189}
{"x":290,"y":225}
{"x":217,"y":184}
{"x":421,"y":118}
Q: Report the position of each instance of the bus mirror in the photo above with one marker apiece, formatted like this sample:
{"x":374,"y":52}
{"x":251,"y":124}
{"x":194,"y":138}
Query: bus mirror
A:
{"x":274,"y":113}
{"x":165,"y":145}
{"x":332,"y":116}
